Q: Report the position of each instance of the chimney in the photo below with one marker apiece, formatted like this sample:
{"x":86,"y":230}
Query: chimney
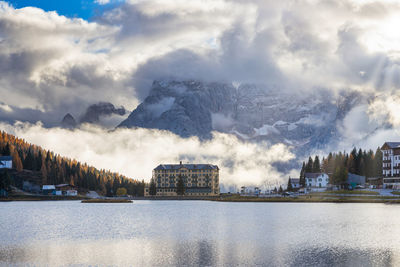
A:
{"x":180,"y":162}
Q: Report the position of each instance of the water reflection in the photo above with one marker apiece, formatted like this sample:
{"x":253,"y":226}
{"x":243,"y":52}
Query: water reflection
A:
{"x":202,"y":253}
{"x":199,"y":234}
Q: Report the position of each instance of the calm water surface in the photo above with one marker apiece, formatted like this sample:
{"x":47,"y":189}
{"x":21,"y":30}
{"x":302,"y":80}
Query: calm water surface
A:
{"x":199,"y":233}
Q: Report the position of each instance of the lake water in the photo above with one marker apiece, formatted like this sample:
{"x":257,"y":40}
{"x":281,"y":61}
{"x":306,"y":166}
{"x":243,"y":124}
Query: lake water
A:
{"x":199,"y":233}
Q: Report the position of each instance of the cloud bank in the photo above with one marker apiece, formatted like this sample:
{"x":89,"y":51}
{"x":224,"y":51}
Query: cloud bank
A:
{"x":136,"y":152}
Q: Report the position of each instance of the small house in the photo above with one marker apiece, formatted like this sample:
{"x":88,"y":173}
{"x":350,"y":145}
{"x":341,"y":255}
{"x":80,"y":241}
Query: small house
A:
{"x":295,"y":182}
{"x":5,"y":162}
{"x":250,"y":191}
{"x":316,"y":181}
{"x":49,"y":190}
{"x":71,"y":193}
{"x":66,"y":190}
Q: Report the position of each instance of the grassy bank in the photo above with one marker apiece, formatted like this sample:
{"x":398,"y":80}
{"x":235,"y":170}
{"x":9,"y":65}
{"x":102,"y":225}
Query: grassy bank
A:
{"x":40,"y":198}
{"x":348,"y":192}
{"x":315,"y":199}
{"x":106,"y":201}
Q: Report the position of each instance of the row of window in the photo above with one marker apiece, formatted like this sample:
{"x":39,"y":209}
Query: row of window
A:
{"x":319,"y":185}
{"x":188,"y":185}
{"x":189,"y":175}
{"x":388,"y":172}
{"x":177,"y":171}
{"x":185,"y":180}
{"x":174,"y":190}
{"x":319,"y":179}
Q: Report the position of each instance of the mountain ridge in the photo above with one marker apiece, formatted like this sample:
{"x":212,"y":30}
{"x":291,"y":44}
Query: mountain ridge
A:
{"x":251,"y":112}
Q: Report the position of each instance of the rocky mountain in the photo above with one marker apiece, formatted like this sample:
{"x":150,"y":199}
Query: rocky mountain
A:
{"x":255,"y":113}
{"x":68,"y":121}
{"x":95,"y":111}
{"x":97,"y":114}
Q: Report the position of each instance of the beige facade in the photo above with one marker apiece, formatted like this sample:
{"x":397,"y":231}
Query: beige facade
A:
{"x":199,"y":179}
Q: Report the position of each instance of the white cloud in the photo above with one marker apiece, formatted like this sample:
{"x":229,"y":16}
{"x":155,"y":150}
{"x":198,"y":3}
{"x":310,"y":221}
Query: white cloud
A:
{"x":136,"y":152}
{"x":54,"y":65}
{"x":102,"y":2}
{"x":50,"y":62}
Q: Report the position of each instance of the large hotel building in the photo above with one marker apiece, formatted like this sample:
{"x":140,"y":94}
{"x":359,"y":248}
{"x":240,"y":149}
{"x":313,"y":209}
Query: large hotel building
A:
{"x":391,"y":164}
{"x":199,"y":179}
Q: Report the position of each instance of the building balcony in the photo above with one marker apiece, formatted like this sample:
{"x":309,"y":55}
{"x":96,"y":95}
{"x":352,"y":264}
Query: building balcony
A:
{"x":391,"y":180}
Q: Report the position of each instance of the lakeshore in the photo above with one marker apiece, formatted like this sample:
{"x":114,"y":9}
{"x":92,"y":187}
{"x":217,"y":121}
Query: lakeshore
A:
{"x":315,"y":198}
{"x":322,"y":197}
{"x":106,"y":201}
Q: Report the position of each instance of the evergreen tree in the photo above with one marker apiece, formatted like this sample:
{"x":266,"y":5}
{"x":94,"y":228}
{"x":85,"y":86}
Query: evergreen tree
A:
{"x":309,"y":166}
{"x":153,"y":188}
{"x":302,"y":175}
{"x":377,"y":162}
{"x":5,"y":180}
{"x":289,"y":186}
{"x":17,"y":163}
{"x":180,"y":187}
{"x":280,"y":189}
{"x":121,"y":191}
{"x":358,"y":161}
{"x":316,"y":165}
{"x":351,"y":164}
{"x":6,"y":150}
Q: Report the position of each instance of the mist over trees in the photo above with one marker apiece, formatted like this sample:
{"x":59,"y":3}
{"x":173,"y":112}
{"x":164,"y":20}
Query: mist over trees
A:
{"x":338,"y":165}
{"x":54,"y":169}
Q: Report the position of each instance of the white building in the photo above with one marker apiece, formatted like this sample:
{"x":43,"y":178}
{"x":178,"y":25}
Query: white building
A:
{"x":72,"y":193}
{"x":316,"y":181}
{"x":250,"y":191}
{"x":391,"y":164}
{"x":295,"y":182}
{"x":5,"y":162}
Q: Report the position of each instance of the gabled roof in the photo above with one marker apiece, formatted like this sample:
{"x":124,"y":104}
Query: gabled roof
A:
{"x":48,"y":187}
{"x":391,"y":145}
{"x":5,"y":158}
{"x":313,"y":175}
{"x":62,"y":185}
{"x":187,"y":166}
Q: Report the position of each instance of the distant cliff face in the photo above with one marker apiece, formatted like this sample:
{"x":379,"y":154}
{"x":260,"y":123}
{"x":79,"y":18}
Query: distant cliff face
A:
{"x":94,"y":114}
{"x":95,"y":111}
{"x":68,"y":122}
{"x":192,"y":108}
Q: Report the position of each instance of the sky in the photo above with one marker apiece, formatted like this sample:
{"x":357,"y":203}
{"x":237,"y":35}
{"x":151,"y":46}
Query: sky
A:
{"x":85,"y":9}
{"x":62,"y":56}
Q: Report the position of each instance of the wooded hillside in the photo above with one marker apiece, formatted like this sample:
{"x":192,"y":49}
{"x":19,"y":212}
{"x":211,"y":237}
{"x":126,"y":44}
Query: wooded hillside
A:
{"x":55,"y":169}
